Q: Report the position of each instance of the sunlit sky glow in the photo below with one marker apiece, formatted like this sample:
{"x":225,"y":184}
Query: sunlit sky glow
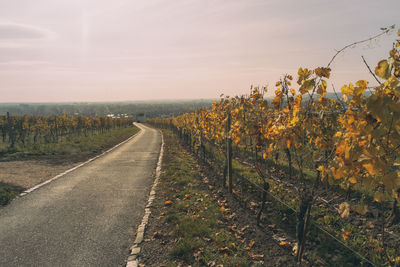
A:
{"x":122,"y":50}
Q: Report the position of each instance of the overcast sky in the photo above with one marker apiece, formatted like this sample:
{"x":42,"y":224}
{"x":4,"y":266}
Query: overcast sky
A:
{"x":121,"y":50}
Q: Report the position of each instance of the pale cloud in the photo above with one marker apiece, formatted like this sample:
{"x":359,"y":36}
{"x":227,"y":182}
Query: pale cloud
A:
{"x":23,"y":63}
{"x":15,"y":35}
{"x":13,"y":31}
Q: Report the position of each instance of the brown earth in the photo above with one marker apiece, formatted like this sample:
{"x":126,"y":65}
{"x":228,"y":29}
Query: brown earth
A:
{"x":265,"y":250}
{"x":30,"y":172}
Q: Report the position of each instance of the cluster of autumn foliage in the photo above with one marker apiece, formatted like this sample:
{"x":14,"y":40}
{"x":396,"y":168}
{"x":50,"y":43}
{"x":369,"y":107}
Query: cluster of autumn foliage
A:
{"x":353,"y":140}
{"x":23,"y":130}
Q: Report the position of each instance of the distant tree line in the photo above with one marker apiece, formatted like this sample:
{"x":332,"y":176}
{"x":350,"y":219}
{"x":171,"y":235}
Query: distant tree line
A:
{"x":151,"y":109}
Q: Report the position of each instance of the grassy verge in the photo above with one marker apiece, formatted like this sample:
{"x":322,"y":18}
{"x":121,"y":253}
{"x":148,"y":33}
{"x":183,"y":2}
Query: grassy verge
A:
{"x":192,"y":219}
{"x":8,"y":192}
{"x":76,"y":145}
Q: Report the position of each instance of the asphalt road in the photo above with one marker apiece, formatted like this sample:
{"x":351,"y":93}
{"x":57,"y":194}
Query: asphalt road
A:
{"x":87,"y":217}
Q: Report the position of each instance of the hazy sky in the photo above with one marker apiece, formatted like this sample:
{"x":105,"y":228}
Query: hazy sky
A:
{"x":102,"y":50}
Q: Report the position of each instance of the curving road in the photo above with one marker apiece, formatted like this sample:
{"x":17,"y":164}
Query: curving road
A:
{"x":87,"y":217}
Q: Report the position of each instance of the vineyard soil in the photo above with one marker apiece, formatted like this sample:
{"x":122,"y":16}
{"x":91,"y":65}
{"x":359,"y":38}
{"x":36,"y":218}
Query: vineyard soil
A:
{"x":220,"y":232}
{"x":28,"y":173}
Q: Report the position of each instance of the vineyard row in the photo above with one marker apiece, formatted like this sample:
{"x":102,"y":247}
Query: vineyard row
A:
{"x":24,"y":130}
{"x":351,"y":142}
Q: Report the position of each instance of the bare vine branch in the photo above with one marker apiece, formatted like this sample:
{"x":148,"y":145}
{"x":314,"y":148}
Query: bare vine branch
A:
{"x":373,"y":74}
{"x":385,"y":31}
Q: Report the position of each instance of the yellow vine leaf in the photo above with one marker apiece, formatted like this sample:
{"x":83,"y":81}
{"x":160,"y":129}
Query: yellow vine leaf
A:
{"x":284,"y":243}
{"x":360,"y":89}
{"x":303,"y":75}
{"x":347,"y":90}
{"x":345,"y":234}
{"x":322,"y":88}
{"x":362,"y":143}
{"x":323,"y":171}
{"x":236,"y":139}
{"x":353,"y":180}
{"x":341,"y":148}
{"x":268,"y":151}
{"x":307,"y":86}
{"x":288,"y":143}
{"x":370,"y":168}
{"x":382,"y":69}
{"x":338,"y":134}
{"x":337,"y":174}
{"x":323,"y":72}
{"x":347,"y":153}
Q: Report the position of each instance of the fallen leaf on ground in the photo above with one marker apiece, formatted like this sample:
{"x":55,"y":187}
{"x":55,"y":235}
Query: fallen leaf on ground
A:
{"x":157,"y":234}
{"x":244,"y":228}
{"x":285,"y":244}
{"x":256,"y":256}
{"x":344,"y":210}
{"x":345,"y":234}
{"x":223,"y":249}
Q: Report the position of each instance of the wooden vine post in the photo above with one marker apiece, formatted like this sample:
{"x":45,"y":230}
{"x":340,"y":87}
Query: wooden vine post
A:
{"x":229,"y":152}
{"x":10,"y":130}
{"x":264,"y":192}
{"x":303,"y":221}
